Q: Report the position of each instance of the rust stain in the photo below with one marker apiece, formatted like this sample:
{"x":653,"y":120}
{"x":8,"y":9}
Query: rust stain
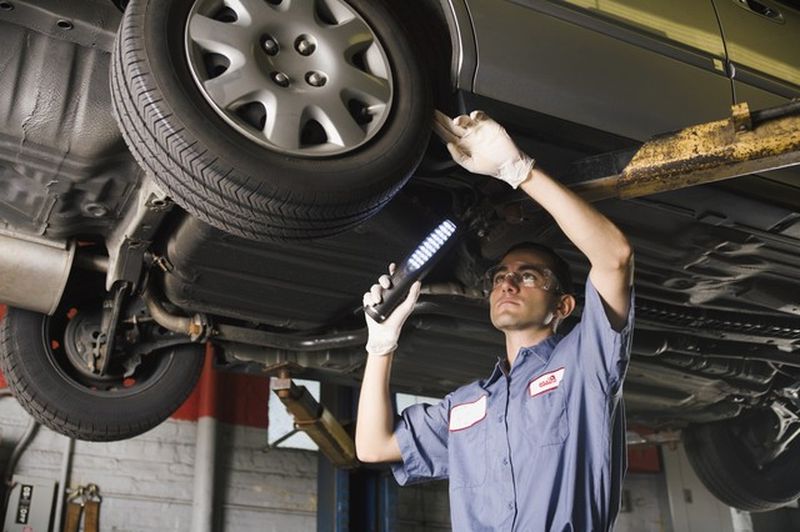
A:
{"x":710,"y":152}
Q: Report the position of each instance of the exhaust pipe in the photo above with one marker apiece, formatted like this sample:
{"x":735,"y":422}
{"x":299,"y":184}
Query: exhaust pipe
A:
{"x":34,"y":273}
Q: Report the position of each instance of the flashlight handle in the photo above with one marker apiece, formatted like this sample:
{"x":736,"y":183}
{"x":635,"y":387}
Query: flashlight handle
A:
{"x":412,"y":269}
{"x":401,"y":280}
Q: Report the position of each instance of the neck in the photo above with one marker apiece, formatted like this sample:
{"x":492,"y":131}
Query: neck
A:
{"x":524,"y":338}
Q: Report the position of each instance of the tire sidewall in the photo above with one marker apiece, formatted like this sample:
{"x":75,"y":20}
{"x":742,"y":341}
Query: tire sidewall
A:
{"x":396,"y":149}
{"x":724,"y":465}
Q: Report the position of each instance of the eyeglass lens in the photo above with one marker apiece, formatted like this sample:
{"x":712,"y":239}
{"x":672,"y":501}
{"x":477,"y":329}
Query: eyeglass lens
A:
{"x":529,"y":276}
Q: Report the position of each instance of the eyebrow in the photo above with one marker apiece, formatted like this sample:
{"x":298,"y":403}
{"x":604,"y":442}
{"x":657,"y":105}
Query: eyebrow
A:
{"x":526,"y":266}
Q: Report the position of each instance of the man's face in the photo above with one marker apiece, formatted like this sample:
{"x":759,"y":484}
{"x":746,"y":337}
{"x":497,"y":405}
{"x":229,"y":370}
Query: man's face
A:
{"x":514,"y":306}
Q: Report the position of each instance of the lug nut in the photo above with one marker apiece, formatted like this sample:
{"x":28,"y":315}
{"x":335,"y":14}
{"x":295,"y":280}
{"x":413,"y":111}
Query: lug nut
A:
{"x":304,"y":46}
{"x":281,"y":79}
{"x":315,"y":79}
{"x":271,"y":46}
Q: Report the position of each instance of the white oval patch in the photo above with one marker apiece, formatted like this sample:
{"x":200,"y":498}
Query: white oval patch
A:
{"x":465,"y":415}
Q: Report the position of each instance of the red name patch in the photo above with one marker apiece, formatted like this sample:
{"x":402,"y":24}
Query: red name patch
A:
{"x":545,"y":383}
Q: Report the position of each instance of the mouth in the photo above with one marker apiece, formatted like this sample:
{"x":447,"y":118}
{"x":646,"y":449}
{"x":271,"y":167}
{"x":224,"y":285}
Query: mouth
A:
{"x":503,"y":302}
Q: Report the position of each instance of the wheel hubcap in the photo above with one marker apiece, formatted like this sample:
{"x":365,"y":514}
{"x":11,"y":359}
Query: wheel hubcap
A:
{"x":300,"y":77}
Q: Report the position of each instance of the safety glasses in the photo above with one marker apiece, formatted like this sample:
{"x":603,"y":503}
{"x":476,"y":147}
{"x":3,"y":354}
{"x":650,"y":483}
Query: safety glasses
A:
{"x":528,"y":275}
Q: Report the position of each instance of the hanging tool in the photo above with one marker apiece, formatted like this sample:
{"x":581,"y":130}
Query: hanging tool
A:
{"x":84,"y":501}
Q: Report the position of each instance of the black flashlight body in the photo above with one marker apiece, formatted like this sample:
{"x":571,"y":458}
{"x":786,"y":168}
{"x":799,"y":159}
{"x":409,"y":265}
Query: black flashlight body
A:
{"x":413,"y":268}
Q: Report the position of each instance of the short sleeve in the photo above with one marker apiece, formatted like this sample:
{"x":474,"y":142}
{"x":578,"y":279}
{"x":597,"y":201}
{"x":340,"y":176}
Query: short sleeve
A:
{"x":422,"y":434}
{"x":602,"y":347}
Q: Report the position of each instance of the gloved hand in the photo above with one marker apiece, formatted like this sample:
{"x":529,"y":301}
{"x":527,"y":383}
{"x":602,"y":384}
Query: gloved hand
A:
{"x":382,"y":337}
{"x":483,"y":146}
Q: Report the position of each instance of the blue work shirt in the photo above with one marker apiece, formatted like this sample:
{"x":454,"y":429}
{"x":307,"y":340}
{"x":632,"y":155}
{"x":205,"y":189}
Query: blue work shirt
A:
{"x":539,"y":446}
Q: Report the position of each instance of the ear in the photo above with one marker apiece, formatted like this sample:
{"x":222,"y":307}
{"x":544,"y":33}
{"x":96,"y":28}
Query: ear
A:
{"x":565,"y":306}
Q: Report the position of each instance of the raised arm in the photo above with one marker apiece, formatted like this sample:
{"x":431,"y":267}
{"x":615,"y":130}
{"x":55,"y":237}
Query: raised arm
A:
{"x":482,"y":146}
{"x":375,"y":440}
{"x":596,"y":236}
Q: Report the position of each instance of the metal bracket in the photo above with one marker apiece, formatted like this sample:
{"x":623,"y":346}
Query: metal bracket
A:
{"x":740,"y":115}
{"x":112,"y":308}
{"x":130,"y":239}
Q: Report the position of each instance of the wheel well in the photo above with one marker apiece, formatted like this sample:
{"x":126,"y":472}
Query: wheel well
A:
{"x":427,"y":25}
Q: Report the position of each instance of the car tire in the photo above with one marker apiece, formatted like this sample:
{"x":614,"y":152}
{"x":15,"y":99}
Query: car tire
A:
{"x":727,"y":469}
{"x":227,"y":179}
{"x":45,"y":385}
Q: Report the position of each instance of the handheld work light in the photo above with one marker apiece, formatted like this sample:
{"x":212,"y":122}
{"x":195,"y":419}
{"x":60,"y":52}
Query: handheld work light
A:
{"x":413,"y":268}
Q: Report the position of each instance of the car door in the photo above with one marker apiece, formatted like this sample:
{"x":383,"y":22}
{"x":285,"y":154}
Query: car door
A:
{"x":762,"y":38}
{"x":630,"y":67}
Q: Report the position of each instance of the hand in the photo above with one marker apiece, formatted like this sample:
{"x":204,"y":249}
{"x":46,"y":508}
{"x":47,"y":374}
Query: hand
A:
{"x":382,"y":337}
{"x":483,"y":146}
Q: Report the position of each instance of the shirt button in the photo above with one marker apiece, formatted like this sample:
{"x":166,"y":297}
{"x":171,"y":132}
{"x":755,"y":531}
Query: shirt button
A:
{"x":500,"y":418}
{"x":511,"y":506}
{"x":505,"y":461}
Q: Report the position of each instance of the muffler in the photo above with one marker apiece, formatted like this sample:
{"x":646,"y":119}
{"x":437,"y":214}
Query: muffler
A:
{"x":34,"y":272}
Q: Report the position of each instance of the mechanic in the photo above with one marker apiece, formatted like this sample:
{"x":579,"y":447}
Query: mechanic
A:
{"x":540,"y":443}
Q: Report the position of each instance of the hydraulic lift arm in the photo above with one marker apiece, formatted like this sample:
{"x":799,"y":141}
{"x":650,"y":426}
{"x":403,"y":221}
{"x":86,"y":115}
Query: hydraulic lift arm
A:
{"x":315,"y":420}
{"x":745,"y":143}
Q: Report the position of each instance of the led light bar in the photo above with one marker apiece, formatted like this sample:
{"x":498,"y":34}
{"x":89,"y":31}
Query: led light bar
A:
{"x":414,"y":267}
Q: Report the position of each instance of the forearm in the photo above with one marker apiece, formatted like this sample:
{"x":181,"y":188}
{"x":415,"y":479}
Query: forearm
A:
{"x":595,"y":235}
{"x":375,"y":440}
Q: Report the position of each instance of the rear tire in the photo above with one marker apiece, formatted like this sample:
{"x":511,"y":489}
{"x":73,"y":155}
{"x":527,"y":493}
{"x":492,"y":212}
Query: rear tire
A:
{"x":728,"y":471}
{"x":45,"y":384}
{"x":234,"y":183}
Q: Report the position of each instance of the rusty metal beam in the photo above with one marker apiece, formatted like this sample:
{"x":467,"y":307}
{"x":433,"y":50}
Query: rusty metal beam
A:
{"x":745,"y":143}
{"x":316,"y":421}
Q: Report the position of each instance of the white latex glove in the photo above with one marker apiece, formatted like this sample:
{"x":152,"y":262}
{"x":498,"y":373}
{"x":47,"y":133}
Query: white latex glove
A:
{"x":483,"y":146}
{"x":382,"y":337}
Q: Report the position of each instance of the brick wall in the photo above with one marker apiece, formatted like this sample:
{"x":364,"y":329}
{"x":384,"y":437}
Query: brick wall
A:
{"x":147,"y":481}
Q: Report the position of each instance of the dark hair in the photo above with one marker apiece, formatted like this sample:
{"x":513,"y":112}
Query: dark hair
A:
{"x":560,"y":267}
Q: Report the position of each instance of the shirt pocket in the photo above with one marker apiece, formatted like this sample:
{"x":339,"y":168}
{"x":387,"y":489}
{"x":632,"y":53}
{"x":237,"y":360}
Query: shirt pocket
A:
{"x":546,"y":418}
{"x":468,"y":456}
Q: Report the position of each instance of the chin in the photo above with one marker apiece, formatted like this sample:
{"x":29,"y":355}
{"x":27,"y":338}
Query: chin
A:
{"x":509,"y":324}
{"x":506,"y":322}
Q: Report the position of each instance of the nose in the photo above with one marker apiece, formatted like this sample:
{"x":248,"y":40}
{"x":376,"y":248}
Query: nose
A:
{"x":509,"y":283}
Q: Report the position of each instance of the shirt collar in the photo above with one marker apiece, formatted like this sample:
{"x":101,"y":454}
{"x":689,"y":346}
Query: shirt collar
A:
{"x":543,"y":351}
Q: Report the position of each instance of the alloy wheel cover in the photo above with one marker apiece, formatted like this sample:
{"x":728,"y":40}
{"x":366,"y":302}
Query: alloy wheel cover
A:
{"x":299,"y":77}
